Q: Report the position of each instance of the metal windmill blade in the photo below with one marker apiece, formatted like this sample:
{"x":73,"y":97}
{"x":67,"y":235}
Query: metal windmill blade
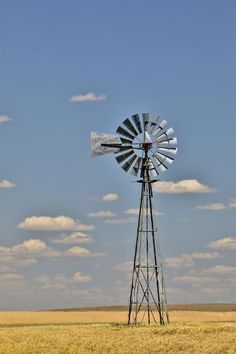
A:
{"x":130,"y":126}
{"x":123,"y":157}
{"x":129,"y":163}
{"x":145,"y":121}
{"x":153,"y":124}
{"x":120,"y":130}
{"x":167,"y":141}
{"x":165,"y":134}
{"x":136,"y":167}
{"x":160,"y":127}
{"x":137,"y":122}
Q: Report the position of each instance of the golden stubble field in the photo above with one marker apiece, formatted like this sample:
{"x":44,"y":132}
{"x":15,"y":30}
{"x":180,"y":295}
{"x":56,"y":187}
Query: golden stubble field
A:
{"x":106,"y":332}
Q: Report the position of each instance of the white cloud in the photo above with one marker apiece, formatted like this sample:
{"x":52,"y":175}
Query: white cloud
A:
{"x":10,"y":277}
{"x":221,"y":269}
{"x":16,"y":261}
{"x":218,"y":206}
{"x":134,"y":211}
{"x":74,"y":237}
{"x":213,"y":206}
{"x":187,"y":260}
{"x":232,"y":203}
{"x":179,"y":262}
{"x":205,"y":255}
{"x":102,"y":214}
{"x":184,"y":186}
{"x":60,"y":281}
{"x":4,"y":118}
{"x":191,"y":279}
{"x":6,"y":184}
{"x":226,"y":243}
{"x":124,"y":267}
{"x":110,"y":197}
{"x":81,"y":278}
{"x":78,"y":251}
{"x":31,"y":247}
{"x":88,"y":97}
{"x":121,"y":221}
{"x":57,"y":223}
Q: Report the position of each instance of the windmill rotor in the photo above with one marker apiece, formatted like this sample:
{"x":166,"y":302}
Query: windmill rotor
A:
{"x":140,"y":138}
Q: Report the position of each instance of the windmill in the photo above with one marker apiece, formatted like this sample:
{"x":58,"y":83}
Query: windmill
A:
{"x":145,"y":147}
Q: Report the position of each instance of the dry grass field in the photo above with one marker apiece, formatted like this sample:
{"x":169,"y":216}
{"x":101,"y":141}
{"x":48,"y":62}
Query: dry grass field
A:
{"x":200,"y":332}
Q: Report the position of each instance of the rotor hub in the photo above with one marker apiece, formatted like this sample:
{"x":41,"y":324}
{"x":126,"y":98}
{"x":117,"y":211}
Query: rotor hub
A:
{"x":146,"y":145}
{"x":139,"y":138}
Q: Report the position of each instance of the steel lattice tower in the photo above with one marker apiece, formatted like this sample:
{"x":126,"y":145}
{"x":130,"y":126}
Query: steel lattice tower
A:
{"x":148,"y":301}
{"x":145,"y":148}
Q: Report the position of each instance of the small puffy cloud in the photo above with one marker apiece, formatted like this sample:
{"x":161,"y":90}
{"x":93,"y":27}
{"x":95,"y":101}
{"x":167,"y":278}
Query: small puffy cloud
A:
{"x":74,"y":237}
{"x":221,"y":269}
{"x":132,"y":211}
{"x":213,"y":206}
{"x":31,"y":247}
{"x":187,"y":260}
{"x":81,"y":278}
{"x":179,"y":262}
{"x":78,"y":251}
{"x":180,"y":187}
{"x":205,"y":255}
{"x":11,"y":278}
{"x":4,"y":183}
{"x":88,"y":97}
{"x":226,"y":243}
{"x":102,"y":214}
{"x":4,"y":118}
{"x":110,"y":197}
{"x":57,"y":223}
{"x":232,"y":203}
{"x":60,"y":281}
{"x":16,"y":261}
{"x":120,"y":221}
{"x":218,"y":206}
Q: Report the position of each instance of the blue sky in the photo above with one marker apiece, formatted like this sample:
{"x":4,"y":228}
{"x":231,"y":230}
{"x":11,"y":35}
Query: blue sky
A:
{"x":173,"y":58}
